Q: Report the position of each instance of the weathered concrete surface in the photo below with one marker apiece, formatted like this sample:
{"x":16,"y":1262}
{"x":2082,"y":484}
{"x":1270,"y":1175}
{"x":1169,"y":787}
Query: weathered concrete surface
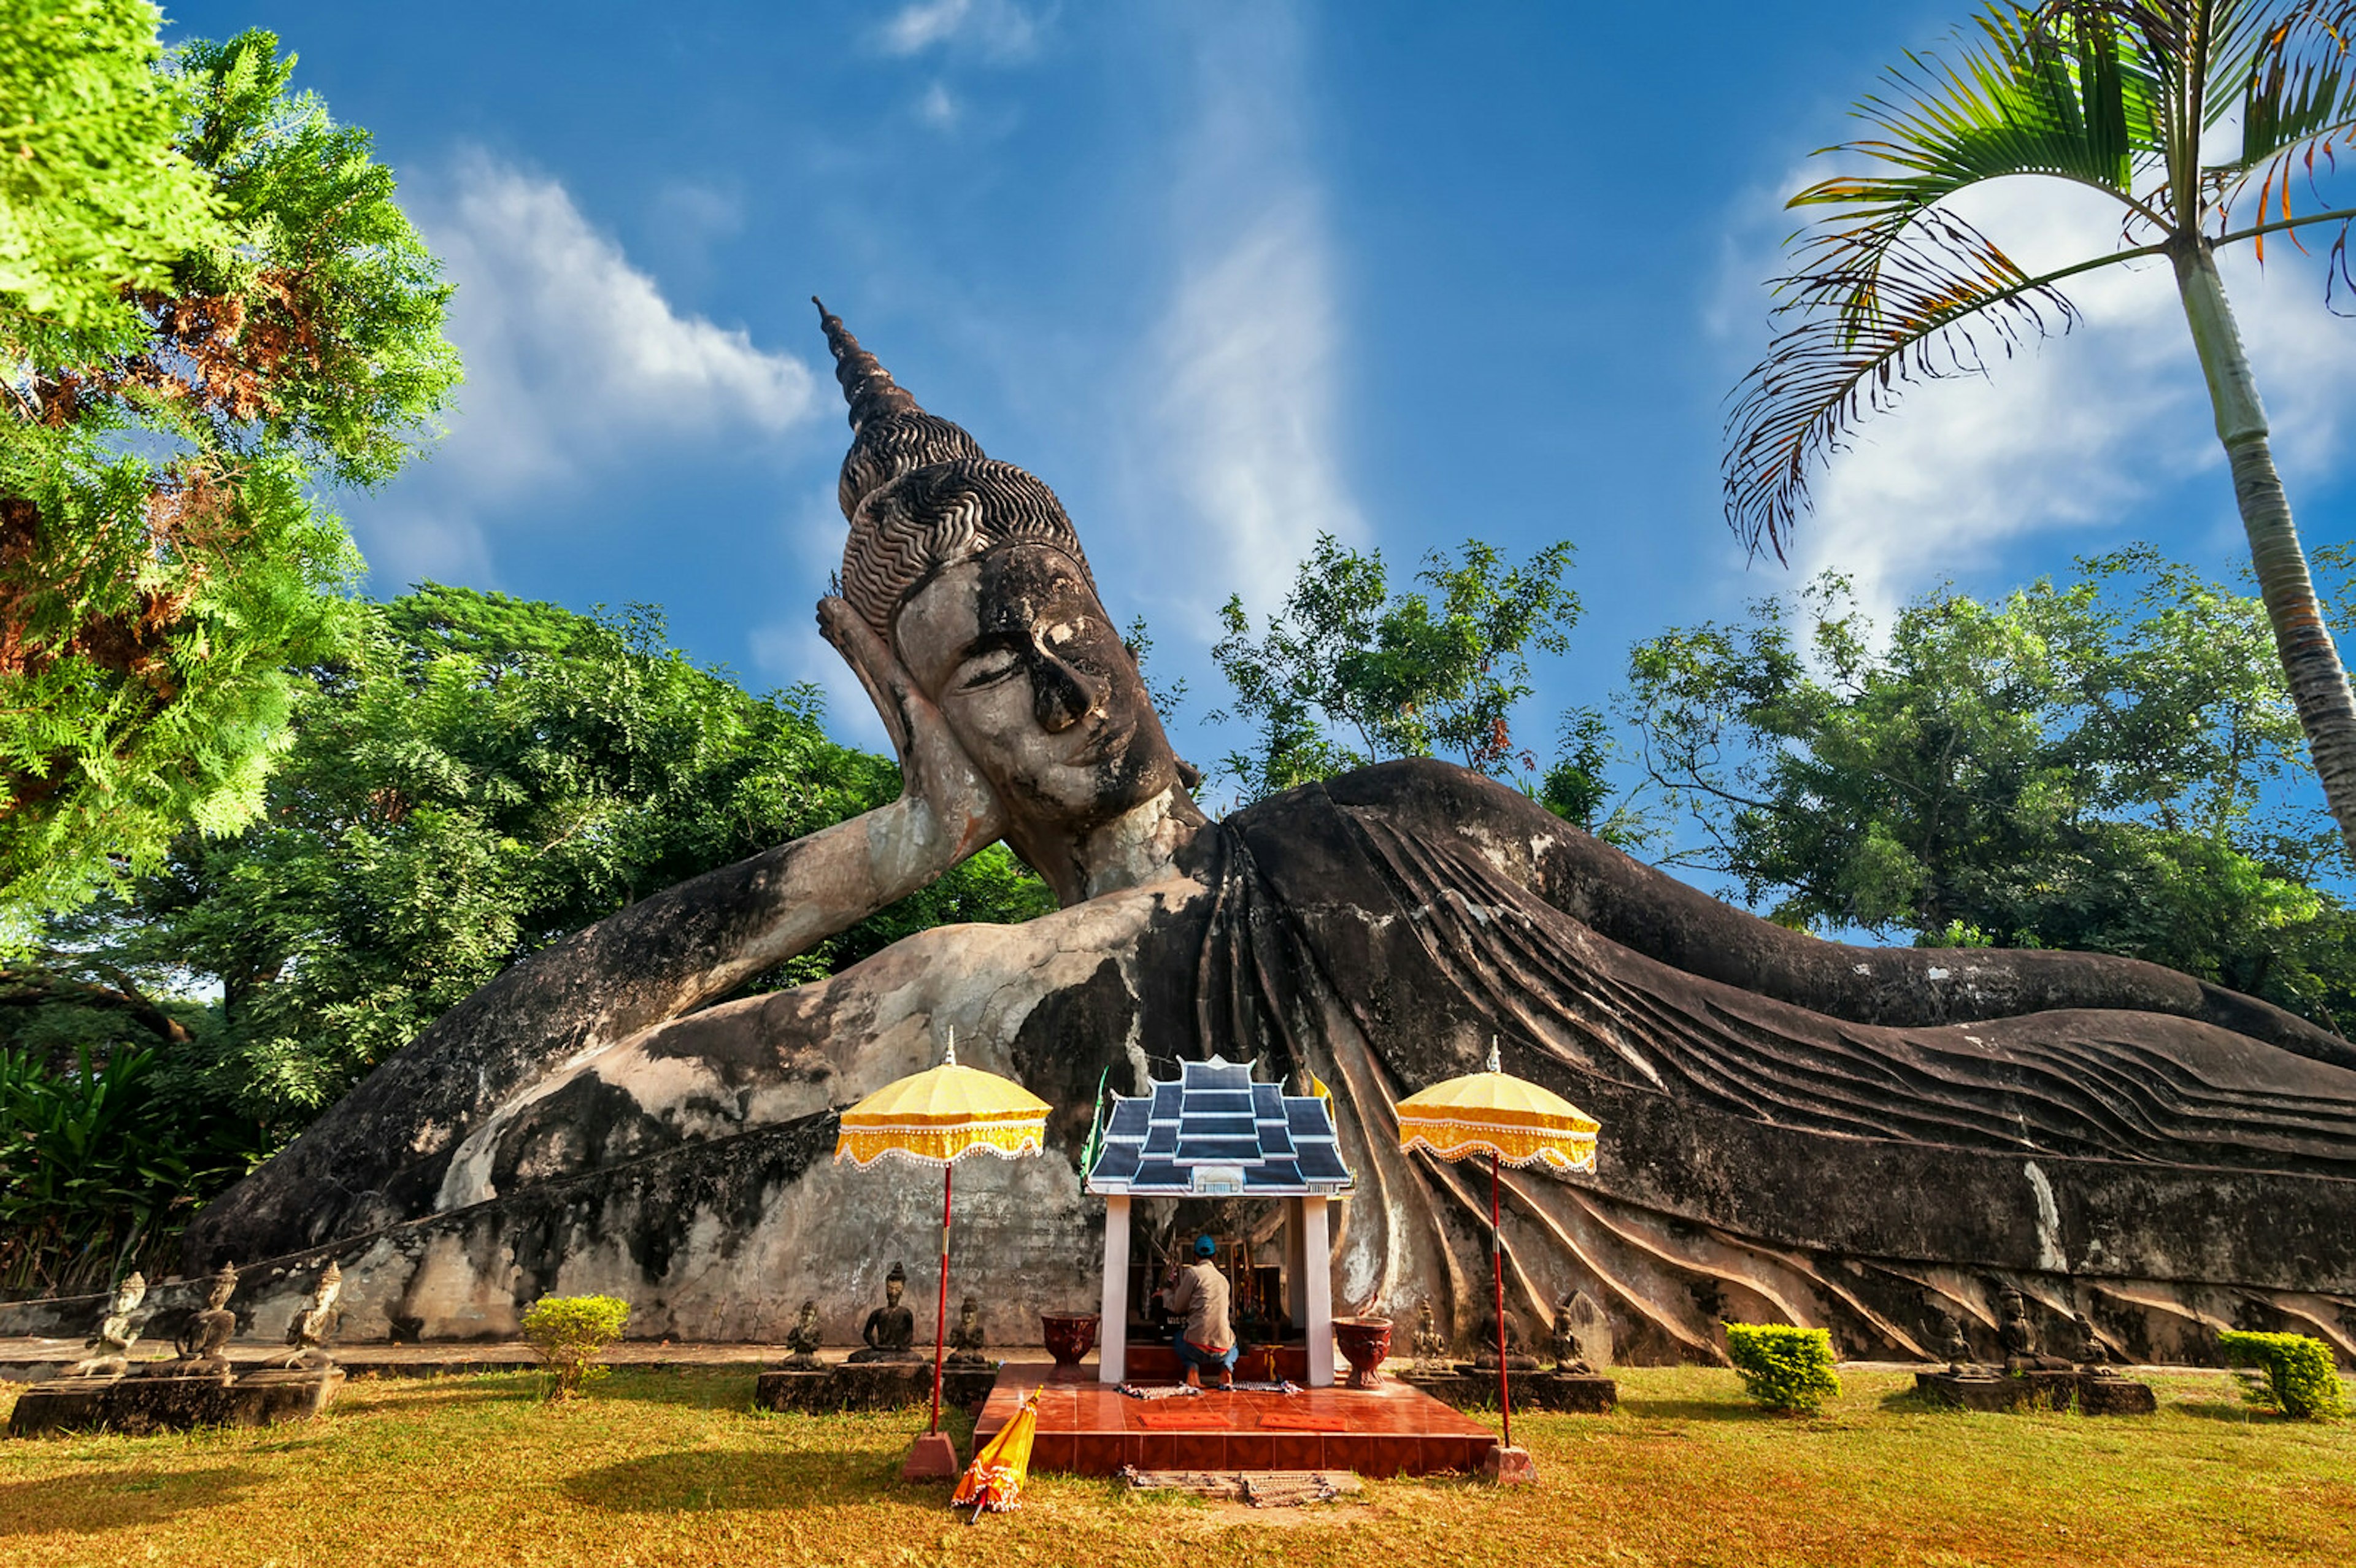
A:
{"x":1574,"y":1393}
{"x":2088,"y":1393}
{"x":136,"y":1405}
{"x":873,"y":1385}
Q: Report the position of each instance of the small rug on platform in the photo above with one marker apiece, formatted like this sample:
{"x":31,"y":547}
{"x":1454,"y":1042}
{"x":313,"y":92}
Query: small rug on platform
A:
{"x":1301,"y":1421}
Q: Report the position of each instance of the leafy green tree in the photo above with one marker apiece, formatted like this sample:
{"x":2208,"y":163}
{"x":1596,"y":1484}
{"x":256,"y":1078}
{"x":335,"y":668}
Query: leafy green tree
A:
{"x":478,"y":777}
{"x":2101,"y":764}
{"x":1348,"y":673}
{"x":2178,"y":111}
{"x":96,"y":200}
{"x":164,"y":556}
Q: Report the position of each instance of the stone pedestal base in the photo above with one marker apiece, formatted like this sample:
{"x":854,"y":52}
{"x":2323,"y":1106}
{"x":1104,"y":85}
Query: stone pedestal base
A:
{"x":933,"y":1459}
{"x":872,"y":1385}
{"x":1509,"y":1466}
{"x":2039,"y":1390}
{"x":139,"y":1405}
{"x":1575,"y":1394}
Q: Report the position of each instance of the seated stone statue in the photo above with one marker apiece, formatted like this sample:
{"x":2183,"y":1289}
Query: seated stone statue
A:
{"x":2019,"y":1336}
{"x":2093,"y":1356}
{"x":1956,"y":1347}
{"x":802,"y":1340}
{"x":1958,"y":1113}
{"x":313,"y":1323}
{"x":890,"y":1331}
{"x":1567,"y":1359}
{"x":206,"y":1335}
{"x":116,"y":1333}
{"x":1431,"y":1345}
{"x":1484,"y":1345}
{"x":966,"y":1346}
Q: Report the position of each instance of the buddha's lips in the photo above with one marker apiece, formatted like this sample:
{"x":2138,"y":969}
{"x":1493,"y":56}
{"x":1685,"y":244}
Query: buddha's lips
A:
{"x":1105,"y":743}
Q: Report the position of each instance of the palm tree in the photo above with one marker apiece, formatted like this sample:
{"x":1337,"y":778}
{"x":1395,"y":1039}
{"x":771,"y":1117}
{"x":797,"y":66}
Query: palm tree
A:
{"x":1890,"y":284}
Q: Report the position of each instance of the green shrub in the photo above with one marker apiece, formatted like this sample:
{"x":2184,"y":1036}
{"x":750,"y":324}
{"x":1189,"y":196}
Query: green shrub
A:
{"x":1783,"y":1368}
{"x":2302,"y":1380}
{"x":570,"y":1332}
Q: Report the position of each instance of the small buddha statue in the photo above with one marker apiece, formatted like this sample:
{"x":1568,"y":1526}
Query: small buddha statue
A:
{"x":1955,"y":1347}
{"x":2093,"y":1356}
{"x":313,"y":1323}
{"x":890,"y":1331}
{"x":111,"y":1345}
{"x":965,"y":1342}
{"x":1431,"y":1345}
{"x":1485,"y":1342}
{"x":802,"y":1340}
{"x":1568,"y":1361}
{"x":2019,"y":1337}
{"x":206,"y":1335}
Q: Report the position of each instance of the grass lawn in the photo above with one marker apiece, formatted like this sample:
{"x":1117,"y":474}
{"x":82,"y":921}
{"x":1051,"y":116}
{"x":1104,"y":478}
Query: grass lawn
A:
{"x":672,"y":1468}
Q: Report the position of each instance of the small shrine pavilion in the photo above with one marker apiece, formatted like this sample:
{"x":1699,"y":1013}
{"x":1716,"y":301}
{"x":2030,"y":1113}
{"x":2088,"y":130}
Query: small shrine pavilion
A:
{"x":1212,"y":1132}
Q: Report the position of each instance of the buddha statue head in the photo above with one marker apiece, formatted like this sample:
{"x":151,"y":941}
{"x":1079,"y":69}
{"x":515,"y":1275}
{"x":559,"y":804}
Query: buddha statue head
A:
{"x":965,"y":579}
{"x":222,"y":1286}
{"x":894,"y":1284}
{"x":129,"y":1293}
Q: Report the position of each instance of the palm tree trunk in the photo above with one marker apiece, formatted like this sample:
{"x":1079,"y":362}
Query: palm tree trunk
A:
{"x":2318,"y":683}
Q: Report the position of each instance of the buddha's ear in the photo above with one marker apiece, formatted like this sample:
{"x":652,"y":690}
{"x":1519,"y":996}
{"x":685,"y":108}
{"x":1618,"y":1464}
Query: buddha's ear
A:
{"x":889,"y":685}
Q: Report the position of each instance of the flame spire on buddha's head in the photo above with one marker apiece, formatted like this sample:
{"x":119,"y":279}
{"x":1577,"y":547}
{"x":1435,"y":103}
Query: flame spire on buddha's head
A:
{"x":919,"y":493}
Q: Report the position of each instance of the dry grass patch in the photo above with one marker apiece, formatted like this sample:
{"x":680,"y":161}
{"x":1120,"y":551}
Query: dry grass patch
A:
{"x":672,"y":1468}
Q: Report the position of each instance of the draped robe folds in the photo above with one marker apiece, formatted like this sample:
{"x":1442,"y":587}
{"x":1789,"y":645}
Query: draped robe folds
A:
{"x":1793,"y":1130}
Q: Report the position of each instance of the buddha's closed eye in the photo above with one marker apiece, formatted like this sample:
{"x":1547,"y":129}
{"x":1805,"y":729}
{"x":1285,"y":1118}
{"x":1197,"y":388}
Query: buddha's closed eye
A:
{"x":988,"y":668}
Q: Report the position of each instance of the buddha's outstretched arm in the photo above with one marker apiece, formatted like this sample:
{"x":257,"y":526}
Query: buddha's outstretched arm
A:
{"x":378,"y":1154}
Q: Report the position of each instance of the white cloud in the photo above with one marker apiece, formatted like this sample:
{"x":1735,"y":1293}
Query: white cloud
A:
{"x":2076,"y":433}
{"x":996,"y":30}
{"x":1246,"y":356}
{"x":937,"y":108}
{"x":575,"y":364}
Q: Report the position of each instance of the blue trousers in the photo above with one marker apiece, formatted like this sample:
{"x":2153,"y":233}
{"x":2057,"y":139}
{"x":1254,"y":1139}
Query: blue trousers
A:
{"x":1192,"y":1355}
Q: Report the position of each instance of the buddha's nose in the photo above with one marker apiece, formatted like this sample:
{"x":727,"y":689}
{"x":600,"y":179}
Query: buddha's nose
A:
{"x":1061,"y":695}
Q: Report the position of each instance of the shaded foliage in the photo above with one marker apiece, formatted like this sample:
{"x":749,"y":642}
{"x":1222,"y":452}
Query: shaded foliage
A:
{"x":2097,"y":765}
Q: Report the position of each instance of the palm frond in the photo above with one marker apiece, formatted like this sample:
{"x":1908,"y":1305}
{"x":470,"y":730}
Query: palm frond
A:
{"x":1938,"y":300}
{"x":2298,"y":101}
{"x":2070,"y":102}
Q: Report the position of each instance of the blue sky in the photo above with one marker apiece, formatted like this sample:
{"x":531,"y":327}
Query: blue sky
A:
{"x":1225,"y":276}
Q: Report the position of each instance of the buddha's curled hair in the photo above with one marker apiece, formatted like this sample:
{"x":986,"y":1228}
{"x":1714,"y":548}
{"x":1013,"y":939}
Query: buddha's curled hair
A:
{"x":920,"y":495}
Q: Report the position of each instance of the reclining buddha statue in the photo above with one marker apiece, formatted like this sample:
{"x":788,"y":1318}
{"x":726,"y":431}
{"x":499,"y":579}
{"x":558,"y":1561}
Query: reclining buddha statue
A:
{"x":1872,"y":1140}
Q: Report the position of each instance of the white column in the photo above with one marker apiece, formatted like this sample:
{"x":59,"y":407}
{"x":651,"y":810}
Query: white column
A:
{"x":1318,"y":1273}
{"x":1296,"y":1268}
{"x":1112,"y":1329}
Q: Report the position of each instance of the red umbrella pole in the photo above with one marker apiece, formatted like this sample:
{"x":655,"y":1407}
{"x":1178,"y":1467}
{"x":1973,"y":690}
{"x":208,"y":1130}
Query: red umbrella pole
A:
{"x":1497,"y":1259}
{"x":941,"y":1314}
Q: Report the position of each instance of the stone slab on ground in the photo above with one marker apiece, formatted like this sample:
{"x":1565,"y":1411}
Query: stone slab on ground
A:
{"x":1996,"y":1392}
{"x":1577,"y":1396}
{"x":871,"y":1385}
{"x":138,"y":1405}
{"x":1261,"y":1488}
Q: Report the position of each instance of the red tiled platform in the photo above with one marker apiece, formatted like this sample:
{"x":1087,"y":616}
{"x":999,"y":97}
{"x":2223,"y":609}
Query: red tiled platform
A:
{"x":1090,"y":1430}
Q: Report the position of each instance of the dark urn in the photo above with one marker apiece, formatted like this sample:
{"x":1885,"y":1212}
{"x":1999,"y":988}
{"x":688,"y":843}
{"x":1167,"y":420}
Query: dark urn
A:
{"x":1069,"y":1337}
{"x":1365,"y":1343}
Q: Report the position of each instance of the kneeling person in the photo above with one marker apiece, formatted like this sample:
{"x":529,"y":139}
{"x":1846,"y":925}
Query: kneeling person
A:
{"x":1206,"y":1343}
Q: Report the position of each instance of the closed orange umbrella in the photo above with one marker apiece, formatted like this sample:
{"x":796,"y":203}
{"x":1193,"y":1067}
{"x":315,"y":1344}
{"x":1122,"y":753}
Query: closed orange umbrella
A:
{"x":994,"y":1480}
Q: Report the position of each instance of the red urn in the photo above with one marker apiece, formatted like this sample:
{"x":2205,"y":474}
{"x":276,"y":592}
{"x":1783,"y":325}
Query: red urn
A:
{"x":1069,"y":1335}
{"x":1365,"y":1342}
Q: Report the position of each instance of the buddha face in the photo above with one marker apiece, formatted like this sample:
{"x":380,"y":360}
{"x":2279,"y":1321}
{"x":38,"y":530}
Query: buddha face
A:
{"x":1037,"y":686}
{"x":892,"y":1289}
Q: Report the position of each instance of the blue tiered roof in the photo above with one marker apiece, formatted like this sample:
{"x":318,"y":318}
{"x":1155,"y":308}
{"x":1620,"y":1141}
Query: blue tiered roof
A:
{"x":1213,"y":1131}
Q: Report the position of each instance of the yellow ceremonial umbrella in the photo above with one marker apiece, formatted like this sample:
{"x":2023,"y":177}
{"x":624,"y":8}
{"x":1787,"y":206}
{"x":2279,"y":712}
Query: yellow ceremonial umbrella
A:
{"x":1513,"y":1122}
{"x":939,"y":1117}
{"x":994,"y":1480}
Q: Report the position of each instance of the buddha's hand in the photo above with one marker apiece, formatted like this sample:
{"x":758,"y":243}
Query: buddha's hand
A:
{"x":936,"y":777}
